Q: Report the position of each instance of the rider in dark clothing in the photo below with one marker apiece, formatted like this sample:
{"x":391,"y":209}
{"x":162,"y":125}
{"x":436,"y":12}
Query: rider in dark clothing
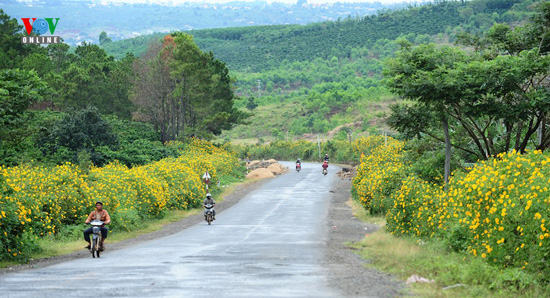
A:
{"x":210,"y":201}
{"x":326,"y":158}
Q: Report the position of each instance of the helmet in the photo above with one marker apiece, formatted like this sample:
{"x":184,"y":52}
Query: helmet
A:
{"x":99,"y":202}
{"x":208,"y":195}
{"x":326,"y":161}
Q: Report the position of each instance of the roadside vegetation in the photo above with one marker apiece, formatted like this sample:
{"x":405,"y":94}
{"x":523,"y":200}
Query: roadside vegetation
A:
{"x":454,"y":274}
{"x":79,"y":126}
{"x":464,"y":190}
{"x":69,"y":238}
{"x":487,"y":231}
{"x":52,"y":202}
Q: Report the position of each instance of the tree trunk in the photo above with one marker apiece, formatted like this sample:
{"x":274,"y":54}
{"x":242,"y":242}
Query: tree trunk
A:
{"x":518,"y":135}
{"x":472,"y":134}
{"x":509,"y":127}
{"x":447,"y":152}
{"x":531,"y":129}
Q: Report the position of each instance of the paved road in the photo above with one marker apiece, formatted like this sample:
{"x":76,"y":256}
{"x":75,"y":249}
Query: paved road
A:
{"x":268,"y":245}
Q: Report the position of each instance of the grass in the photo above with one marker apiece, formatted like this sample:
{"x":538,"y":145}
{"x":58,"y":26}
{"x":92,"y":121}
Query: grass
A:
{"x":466,"y":276}
{"x":264,"y":120}
{"x":279,"y":116}
{"x":360,"y":212}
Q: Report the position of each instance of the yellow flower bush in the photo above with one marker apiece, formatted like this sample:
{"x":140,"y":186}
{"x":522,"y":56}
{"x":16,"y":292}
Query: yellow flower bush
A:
{"x":503,"y":206}
{"x":380,"y":173}
{"x":39,"y":201}
{"x":499,"y":211}
{"x":415,"y":209}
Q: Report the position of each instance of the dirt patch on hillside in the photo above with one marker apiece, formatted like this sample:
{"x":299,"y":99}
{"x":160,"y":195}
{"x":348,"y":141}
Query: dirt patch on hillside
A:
{"x":337,"y":129}
{"x":347,"y":271}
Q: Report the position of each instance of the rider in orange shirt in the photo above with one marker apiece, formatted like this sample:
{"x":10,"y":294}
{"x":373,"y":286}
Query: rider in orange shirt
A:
{"x":100,"y":214}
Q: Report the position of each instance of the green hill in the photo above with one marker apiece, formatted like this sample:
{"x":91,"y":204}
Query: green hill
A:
{"x":259,"y":47}
{"x":330,"y":71}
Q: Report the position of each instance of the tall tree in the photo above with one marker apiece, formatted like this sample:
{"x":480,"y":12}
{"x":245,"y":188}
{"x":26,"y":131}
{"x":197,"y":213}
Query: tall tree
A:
{"x":514,"y":78}
{"x":426,"y":74}
{"x":497,"y":95}
{"x":79,"y":131}
{"x":18,"y":90}
{"x":183,"y":91}
{"x":12,"y":51}
{"x":104,"y":39}
{"x":93,"y":78}
{"x":152,"y":89}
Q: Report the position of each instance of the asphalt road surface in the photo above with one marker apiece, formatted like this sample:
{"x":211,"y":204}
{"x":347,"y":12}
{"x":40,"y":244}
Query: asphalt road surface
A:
{"x":268,"y":245}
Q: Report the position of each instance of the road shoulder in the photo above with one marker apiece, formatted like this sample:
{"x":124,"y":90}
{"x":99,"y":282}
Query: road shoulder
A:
{"x":347,"y":271}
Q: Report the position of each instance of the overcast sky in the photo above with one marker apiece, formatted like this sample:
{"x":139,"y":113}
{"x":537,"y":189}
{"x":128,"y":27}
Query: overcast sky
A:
{"x":224,"y":1}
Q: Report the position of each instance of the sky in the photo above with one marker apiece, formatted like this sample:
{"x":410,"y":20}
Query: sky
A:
{"x":286,"y":1}
{"x":224,"y":1}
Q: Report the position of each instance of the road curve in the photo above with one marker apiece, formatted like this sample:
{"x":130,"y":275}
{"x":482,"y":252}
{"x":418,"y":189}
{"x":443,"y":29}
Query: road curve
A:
{"x":268,"y":245}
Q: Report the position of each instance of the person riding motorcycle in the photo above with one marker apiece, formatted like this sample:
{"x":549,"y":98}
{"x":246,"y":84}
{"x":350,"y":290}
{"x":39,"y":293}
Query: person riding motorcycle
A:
{"x":325,"y":165}
{"x":98,"y":214}
{"x":326,"y":157}
{"x":209,"y":201}
{"x":298,"y":163}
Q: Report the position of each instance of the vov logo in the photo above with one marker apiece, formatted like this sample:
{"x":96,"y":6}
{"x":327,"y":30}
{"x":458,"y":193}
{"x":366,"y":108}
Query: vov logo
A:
{"x":40,"y":27}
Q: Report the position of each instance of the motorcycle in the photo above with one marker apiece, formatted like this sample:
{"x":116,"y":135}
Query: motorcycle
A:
{"x":298,"y":167}
{"x":96,"y":237}
{"x":209,"y":213}
{"x":325,"y":172}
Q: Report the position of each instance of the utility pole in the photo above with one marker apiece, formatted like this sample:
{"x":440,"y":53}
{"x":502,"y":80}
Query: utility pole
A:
{"x":319,"y":145}
{"x":259,"y":88}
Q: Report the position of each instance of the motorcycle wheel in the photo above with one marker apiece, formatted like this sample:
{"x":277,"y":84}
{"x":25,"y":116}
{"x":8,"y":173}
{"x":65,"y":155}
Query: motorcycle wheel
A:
{"x":94,"y":247}
{"x":209,"y":219}
{"x":97,"y":250}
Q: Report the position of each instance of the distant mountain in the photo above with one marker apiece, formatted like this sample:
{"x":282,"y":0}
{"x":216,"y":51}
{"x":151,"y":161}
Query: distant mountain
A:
{"x":85,"y":20}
